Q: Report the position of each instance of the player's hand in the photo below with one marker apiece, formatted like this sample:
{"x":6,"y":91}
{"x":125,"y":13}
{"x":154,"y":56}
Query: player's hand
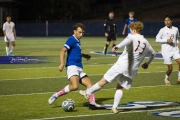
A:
{"x":61,"y":67}
{"x":123,"y":33}
{"x":170,"y":41}
{"x":106,"y":34}
{"x":178,"y":44}
{"x":7,"y":38}
{"x":144,"y":66}
{"x":87,"y":56}
{"x":114,"y":49}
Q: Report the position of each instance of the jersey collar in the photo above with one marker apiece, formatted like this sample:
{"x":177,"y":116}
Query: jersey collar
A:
{"x":75,"y":38}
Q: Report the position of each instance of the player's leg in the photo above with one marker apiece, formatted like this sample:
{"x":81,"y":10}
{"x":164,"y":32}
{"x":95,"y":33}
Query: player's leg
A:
{"x":168,"y":73}
{"x":178,"y":62}
{"x":117,"y":97}
{"x":74,"y":84}
{"x":12,"y":47}
{"x":114,"y":42}
{"x":168,"y":62}
{"x":7,"y":48}
{"x":7,"y":45}
{"x":73,"y":77}
{"x":109,"y":76}
{"x":88,"y":83}
{"x":107,"y":43}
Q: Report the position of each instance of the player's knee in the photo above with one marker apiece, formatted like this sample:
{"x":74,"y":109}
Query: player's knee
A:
{"x":75,"y":87}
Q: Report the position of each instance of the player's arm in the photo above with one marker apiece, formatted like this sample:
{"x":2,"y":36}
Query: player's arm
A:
{"x":124,"y":43}
{"x":105,"y":28}
{"x":125,"y":26}
{"x":115,"y":27}
{"x":151,"y":57}
{"x":14,"y":31}
{"x":160,"y":39}
{"x":62,"y":58}
{"x":178,"y":44}
{"x":87,"y":56}
{"x":4,"y":31}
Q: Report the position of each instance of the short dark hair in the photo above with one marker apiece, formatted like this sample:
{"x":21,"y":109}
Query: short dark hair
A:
{"x":8,"y":16}
{"x":168,"y":16}
{"x":111,"y":12}
{"x":79,"y":25}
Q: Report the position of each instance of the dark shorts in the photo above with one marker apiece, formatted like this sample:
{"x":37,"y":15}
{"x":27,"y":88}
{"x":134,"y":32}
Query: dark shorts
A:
{"x":111,"y":36}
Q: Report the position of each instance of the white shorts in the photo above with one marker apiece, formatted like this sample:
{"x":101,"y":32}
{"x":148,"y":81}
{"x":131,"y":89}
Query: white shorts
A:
{"x":112,"y":75}
{"x":74,"y":70}
{"x":10,"y":39}
{"x":171,"y":56}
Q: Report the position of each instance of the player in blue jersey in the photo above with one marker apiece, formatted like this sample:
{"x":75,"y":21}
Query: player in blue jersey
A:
{"x":130,"y":20}
{"x":74,"y":67}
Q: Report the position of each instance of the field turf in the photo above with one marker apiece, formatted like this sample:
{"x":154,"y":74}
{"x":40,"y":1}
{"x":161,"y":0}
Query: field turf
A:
{"x":25,"y":88}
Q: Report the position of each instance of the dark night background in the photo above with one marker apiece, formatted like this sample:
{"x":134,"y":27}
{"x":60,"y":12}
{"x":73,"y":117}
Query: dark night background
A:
{"x":30,"y":16}
{"x":88,"y":10}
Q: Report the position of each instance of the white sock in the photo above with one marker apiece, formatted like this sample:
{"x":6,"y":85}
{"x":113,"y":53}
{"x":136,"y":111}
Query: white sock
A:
{"x":94,"y":88}
{"x":179,"y":74}
{"x":117,"y":97}
{"x":12,"y":47}
{"x":66,"y":89}
{"x":7,"y":50}
{"x":167,"y":77}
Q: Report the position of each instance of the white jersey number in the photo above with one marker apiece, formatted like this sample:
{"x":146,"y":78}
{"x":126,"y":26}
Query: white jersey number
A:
{"x":143,"y":48}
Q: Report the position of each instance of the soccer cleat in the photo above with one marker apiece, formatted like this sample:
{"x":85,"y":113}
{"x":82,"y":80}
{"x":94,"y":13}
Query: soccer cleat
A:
{"x":167,"y":82}
{"x":114,"y":110}
{"x":52,"y":98}
{"x":10,"y":54}
{"x":95,"y":104}
{"x":83,"y":93}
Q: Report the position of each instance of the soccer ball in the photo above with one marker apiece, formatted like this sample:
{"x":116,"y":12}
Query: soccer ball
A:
{"x":68,"y":105}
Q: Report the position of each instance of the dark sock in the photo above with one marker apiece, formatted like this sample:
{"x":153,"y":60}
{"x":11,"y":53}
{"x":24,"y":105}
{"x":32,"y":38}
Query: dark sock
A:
{"x":105,"y":50}
{"x":113,"y":45}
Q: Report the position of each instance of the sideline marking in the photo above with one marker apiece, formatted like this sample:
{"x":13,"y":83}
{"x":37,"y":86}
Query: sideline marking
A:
{"x":66,"y":76}
{"x":78,"y":91}
{"x":137,"y":111}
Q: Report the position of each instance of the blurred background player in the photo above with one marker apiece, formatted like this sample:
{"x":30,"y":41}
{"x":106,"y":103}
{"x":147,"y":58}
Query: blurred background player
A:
{"x":126,"y":67}
{"x":74,"y":67}
{"x":9,"y":35}
{"x":168,"y":36}
{"x":130,"y":20}
{"x":110,"y":32}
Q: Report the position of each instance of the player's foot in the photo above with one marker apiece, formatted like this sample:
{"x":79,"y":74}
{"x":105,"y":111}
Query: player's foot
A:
{"x":114,"y":54}
{"x":10,"y":54}
{"x":114,"y":110}
{"x":83,"y":93}
{"x":95,"y":104}
{"x":52,"y":98}
{"x":167,"y":82}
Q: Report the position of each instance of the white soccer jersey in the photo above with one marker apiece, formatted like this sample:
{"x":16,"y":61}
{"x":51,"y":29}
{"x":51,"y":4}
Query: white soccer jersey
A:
{"x":136,"y":48}
{"x":164,"y":34}
{"x":8,"y":28}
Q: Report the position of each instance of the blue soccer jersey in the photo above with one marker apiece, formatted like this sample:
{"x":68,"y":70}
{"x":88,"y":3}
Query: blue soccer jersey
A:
{"x":74,"y":55}
{"x":128,"y":22}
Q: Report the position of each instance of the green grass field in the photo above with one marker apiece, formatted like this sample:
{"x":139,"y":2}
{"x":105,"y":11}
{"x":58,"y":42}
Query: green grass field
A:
{"x":25,"y":88}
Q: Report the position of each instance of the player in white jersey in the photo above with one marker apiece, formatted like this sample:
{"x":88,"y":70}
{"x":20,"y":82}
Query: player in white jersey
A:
{"x":168,"y":36}
{"x":126,"y":67}
{"x":9,"y":35}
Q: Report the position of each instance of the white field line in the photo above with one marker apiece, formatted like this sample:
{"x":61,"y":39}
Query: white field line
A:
{"x":66,"y":76}
{"x":94,"y":64}
{"x":77,"y":91}
{"x":136,"y":111}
